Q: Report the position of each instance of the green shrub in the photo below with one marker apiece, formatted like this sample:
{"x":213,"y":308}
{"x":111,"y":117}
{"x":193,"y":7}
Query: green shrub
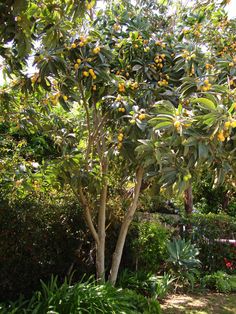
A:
{"x":207,"y":229}
{"x":39,"y":237}
{"x":161,"y":285}
{"x":83,"y":297}
{"x":146,"y":283}
{"x":218,"y":281}
{"x":149,"y":245}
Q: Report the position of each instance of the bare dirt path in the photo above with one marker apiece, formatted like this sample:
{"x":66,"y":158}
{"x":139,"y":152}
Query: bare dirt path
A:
{"x":211,"y":303}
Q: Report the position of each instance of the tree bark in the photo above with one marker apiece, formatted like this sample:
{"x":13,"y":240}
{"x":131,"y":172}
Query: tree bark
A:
{"x":100,"y":254}
{"x":188,"y":200}
{"x":124,"y":228}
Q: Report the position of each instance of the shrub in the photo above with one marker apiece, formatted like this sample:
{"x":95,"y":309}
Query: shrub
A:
{"x":220,"y":282}
{"x":39,"y":238}
{"x":207,"y":230}
{"x":146,"y":283}
{"x":149,"y":245}
{"x":83,"y":297}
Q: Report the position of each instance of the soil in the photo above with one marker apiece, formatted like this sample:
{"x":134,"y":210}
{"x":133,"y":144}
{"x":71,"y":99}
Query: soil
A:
{"x":210,"y":303}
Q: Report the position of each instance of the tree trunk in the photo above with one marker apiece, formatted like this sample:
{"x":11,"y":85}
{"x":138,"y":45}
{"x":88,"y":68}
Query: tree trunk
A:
{"x":100,"y":248}
{"x":188,"y":200}
{"x":124,"y":228}
{"x":225,"y":201}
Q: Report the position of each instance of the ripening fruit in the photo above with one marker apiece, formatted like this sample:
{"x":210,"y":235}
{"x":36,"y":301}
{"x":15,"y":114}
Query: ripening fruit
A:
{"x":134,"y":85}
{"x":208,"y":66}
{"x":116,"y":27}
{"x":78,"y":61}
{"x":119,"y":98}
{"x":120,"y":137}
{"x":85,"y":73}
{"x":65,"y":97}
{"x":177,"y":124}
{"x":73,"y":46}
{"x":187,"y":177}
{"x":91,"y":72}
{"x":96,"y":50}
{"x":132,"y":121}
{"x":76,"y":66}
{"x":227,"y":124}
{"x":142,"y":116}
{"x":221,"y":136}
{"x":94,"y":87}
{"x":121,"y":87}
{"x":121,"y":109}
{"x":233,"y":124}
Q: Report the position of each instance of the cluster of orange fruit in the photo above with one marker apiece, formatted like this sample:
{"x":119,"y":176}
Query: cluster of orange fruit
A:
{"x":134,"y":85}
{"x":159,"y":59}
{"x":163,"y":80}
{"x":208,"y":66}
{"x":177,"y":124}
{"x":120,"y":138}
{"x":223,"y":134}
{"x":121,"y":87}
{"x":207,"y":86}
{"x":187,"y":55}
{"x":121,"y":109}
{"x":161,"y":44}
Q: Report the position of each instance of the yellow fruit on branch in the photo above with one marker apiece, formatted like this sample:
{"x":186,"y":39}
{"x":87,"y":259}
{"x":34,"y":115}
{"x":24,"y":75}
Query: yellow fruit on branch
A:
{"x":220,"y":136}
{"x":116,"y":27}
{"x":134,"y":85}
{"x":96,"y":50}
{"x":73,"y":46}
{"x":76,"y":66}
{"x":233,"y":124}
{"x":142,"y":116}
{"x":227,"y":124}
{"x":85,"y":73}
{"x":65,"y":97}
{"x":120,"y":137}
{"x":122,"y":109}
{"x":121,"y":87}
{"x":177,"y":124}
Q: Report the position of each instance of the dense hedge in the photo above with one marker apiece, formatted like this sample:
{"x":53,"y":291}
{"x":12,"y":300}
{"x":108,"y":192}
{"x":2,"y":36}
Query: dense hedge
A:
{"x":40,"y":237}
{"x":206,"y":231}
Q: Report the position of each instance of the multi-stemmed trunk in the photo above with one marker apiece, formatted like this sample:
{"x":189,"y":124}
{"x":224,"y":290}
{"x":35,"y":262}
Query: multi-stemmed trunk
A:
{"x":116,"y":259}
{"x":99,"y":234}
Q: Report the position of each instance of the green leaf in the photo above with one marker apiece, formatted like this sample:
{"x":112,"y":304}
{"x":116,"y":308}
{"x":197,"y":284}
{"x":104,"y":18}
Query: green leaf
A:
{"x":206,"y":103}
